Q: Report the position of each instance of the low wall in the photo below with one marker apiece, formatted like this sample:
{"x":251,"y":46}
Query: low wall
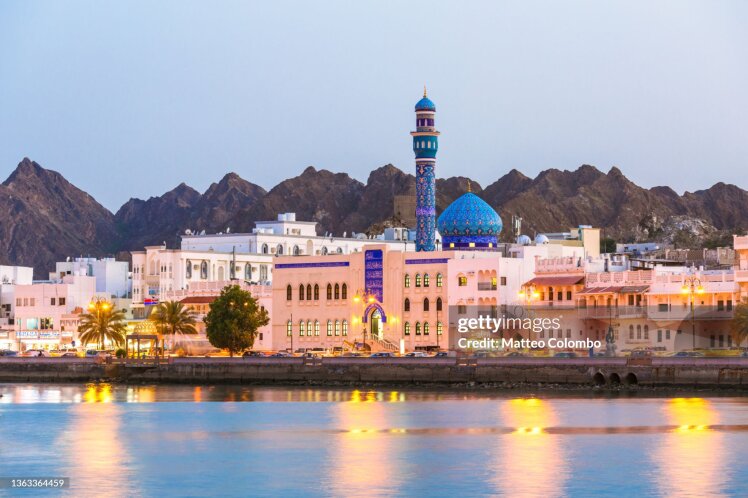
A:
{"x":727,"y":372}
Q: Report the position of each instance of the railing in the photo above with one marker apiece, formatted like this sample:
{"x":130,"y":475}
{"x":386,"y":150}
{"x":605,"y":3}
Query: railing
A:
{"x":654,"y":313}
{"x":615,"y":312}
{"x":485,"y":286}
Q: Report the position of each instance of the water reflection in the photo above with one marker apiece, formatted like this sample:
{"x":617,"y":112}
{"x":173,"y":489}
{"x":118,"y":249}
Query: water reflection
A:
{"x":690,"y":460}
{"x":531,"y":460}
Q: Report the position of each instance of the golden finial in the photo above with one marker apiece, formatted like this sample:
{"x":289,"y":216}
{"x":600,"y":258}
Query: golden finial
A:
{"x":469,"y":190}
{"x":424,"y":91}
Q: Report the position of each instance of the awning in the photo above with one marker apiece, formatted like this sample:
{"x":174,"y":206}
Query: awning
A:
{"x":634,"y":289}
{"x":198,"y":300}
{"x":557,"y":280}
{"x":601,"y":290}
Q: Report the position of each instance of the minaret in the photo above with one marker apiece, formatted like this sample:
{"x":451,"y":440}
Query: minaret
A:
{"x":425,"y":145}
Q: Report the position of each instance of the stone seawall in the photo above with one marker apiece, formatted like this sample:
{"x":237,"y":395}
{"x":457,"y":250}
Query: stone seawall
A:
{"x":714,"y":372}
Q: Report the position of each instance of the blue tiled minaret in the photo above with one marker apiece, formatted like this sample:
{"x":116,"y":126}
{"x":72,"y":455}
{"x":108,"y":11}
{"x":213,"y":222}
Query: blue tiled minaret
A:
{"x":425,"y":145}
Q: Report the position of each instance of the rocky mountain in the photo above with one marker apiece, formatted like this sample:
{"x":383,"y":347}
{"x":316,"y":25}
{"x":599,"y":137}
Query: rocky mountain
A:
{"x":44,"y":218}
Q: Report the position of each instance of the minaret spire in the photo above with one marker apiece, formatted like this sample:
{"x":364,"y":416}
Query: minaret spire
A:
{"x":425,"y":145}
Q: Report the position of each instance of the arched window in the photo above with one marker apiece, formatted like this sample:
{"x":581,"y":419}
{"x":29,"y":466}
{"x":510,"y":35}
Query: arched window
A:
{"x":323,"y":251}
{"x":407,"y":280}
{"x":301,"y":292}
{"x":339,"y":250}
{"x":426,"y":328}
{"x":406,"y":305}
{"x":406,"y":328}
{"x":461,"y":281}
{"x":232,"y":271}
{"x":296,"y":250}
{"x":188,"y":269}
{"x":264,"y":248}
{"x":329,"y":291}
{"x":329,"y":327}
{"x":316,"y":327}
{"x":263,"y":273}
{"x":439,"y":328}
{"x":337,"y":327}
{"x":289,"y":328}
{"x":337,"y":291}
{"x":631,"y":331}
{"x":308,"y":292}
{"x":279,"y":250}
{"x":418,"y":328}
{"x":289,"y":292}
{"x":248,"y":271}
{"x":345,"y":327}
{"x":439,"y":280}
{"x":438,"y":304}
{"x":316,"y":292}
{"x":426,"y":279}
{"x":344,"y":292}
{"x":302,"y":327}
{"x":204,"y":270}
{"x":425,"y":304}
{"x":418,"y":279}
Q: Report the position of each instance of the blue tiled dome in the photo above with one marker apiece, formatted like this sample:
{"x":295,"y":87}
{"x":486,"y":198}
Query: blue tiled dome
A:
{"x":425,"y":104}
{"x":469,"y":215}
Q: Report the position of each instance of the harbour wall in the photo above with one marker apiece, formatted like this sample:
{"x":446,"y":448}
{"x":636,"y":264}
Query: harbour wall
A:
{"x":706,"y":372}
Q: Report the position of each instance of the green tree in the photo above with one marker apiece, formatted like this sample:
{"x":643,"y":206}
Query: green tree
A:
{"x":739,"y":325}
{"x":607,"y":245}
{"x":102,"y":323}
{"x":233,"y":320}
{"x":173,"y":318}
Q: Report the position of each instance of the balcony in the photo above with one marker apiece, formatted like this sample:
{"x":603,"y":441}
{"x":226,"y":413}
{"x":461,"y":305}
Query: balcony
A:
{"x":487,"y":286}
{"x":603,"y":312}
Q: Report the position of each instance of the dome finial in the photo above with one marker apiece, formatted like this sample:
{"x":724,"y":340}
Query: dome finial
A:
{"x":424,"y":91}
{"x":469,"y":189}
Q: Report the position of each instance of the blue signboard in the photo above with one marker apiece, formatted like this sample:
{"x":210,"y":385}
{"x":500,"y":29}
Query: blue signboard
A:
{"x":374,"y":273}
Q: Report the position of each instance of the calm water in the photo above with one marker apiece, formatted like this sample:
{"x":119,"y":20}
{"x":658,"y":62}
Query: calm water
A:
{"x":173,"y":441}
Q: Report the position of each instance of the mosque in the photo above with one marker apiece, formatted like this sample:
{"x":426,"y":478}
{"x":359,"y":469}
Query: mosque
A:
{"x":383,"y":298}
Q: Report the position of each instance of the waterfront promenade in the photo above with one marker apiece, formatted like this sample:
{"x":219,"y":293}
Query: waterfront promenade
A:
{"x":613,"y":372}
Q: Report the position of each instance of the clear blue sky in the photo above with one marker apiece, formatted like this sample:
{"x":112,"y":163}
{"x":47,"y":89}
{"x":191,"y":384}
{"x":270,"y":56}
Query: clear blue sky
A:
{"x":132,"y":98}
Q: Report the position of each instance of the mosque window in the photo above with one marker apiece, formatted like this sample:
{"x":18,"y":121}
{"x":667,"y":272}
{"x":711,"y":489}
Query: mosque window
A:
{"x":309,"y":329}
{"x":439,"y":328}
{"x":289,"y":328}
{"x":426,"y":279}
{"x":188,"y":269}
{"x":439,"y":280}
{"x":316,"y":292}
{"x":406,"y":305}
{"x":302,"y":328}
{"x":263,"y":273}
{"x":337,"y":327}
{"x":407,"y":280}
{"x":324,"y":250}
{"x":296,"y":250}
{"x":418,"y":328}
{"x":406,"y":328}
{"x":204,"y":270}
{"x":279,"y":250}
{"x":329,"y":327}
{"x":345,"y":327}
{"x":418,"y":279}
{"x":461,"y":281}
{"x":344,"y":292}
{"x":248,"y":271}
{"x":425,"y":304}
{"x":289,"y":292}
{"x":308,"y":292}
{"x":301,"y":292}
{"x":631,"y":331}
{"x":426,"y":328}
{"x":438,"y":304}
{"x":264,"y":248}
{"x":329,"y":292}
{"x":316,"y":327}
{"x":337,"y":291}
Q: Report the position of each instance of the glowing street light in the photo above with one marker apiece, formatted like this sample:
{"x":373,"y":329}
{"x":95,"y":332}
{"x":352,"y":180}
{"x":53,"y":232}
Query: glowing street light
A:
{"x":691,"y":287}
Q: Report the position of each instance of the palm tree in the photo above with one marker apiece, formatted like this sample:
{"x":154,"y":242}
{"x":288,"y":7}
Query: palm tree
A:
{"x":739,"y":325}
{"x":172,"y":317}
{"x":102,"y":323}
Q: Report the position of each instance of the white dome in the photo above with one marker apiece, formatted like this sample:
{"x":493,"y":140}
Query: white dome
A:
{"x":524,"y":240}
{"x":541,"y":239}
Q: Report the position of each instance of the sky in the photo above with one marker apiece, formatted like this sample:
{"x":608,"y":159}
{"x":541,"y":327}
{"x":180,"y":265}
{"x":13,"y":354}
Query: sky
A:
{"x":129,"y":99}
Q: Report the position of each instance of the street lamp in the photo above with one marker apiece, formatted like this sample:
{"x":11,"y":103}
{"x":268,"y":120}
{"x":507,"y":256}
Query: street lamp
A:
{"x":364,"y":297}
{"x":528,"y":293}
{"x":691,"y":287}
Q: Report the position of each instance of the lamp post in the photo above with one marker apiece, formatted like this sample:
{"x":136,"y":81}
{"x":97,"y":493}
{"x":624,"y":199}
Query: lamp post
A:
{"x":691,"y":287}
{"x":363,"y":297}
{"x":528,"y":293}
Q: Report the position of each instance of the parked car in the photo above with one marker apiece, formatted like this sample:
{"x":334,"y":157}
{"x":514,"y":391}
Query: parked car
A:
{"x":93,"y":353}
{"x":441,"y":354}
{"x":69,"y":354}
{"x":8,"y":352}
{"x":33,"y":353}
{"x":688,"y":354}
{"x":281,"y":354}
{"x":351,"y":354}
{"x":512,"y":354}
{"x":565,"y":354}
{"x":382,"y":354}
{"x":641,"y":353}
{"x":253,"y":354}
{"x":417,"y":354}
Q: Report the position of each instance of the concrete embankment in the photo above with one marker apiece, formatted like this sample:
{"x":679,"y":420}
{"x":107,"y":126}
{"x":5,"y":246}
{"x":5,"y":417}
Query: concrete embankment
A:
{"x":706,"y":372}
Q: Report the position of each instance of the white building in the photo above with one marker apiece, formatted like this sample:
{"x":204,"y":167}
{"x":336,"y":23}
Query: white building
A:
{"x":112,"y":277}
{"x":10,"y":276}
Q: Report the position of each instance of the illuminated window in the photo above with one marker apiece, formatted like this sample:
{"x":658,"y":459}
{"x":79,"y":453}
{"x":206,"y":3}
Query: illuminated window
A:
{"x":345,"y":327}
{"x":418,"y":328}
{"x":426,"y":279}
{"x":407,"y":280}
{"x":302,"y":328}
{"x":439,"y":328}
{"x":316,"y":327}
{"x":406,"y":328}
{"x":329,"y":327}
{"x":309,"y":328}
{"x":337,"y":327}
{"x":461,"y":281}
{"x":439,"y":280}
{"x":426,"y":328}
{"x":418,"y":279}
{"x":289,"y":328}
